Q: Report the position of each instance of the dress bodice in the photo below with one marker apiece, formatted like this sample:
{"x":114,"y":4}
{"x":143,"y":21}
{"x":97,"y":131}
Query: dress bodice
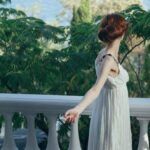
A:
{"x":112,"y":82}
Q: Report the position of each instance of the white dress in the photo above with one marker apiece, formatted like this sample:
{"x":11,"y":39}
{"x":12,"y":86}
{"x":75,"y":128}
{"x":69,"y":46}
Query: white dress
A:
{"x":110,"y":120}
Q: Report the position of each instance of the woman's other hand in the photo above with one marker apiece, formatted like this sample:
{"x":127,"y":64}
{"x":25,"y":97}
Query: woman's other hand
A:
{"x":71,"y":115}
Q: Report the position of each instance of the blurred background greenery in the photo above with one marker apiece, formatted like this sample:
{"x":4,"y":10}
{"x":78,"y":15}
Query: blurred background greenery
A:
{"x":39,"y":57}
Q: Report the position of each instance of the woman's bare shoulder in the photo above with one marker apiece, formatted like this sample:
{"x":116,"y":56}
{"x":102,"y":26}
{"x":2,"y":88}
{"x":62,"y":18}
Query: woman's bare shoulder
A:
{"x":99,"y":56}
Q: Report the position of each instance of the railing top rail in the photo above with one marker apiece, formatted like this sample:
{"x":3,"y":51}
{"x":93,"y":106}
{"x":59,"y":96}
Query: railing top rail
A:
{"x":59,"y":103}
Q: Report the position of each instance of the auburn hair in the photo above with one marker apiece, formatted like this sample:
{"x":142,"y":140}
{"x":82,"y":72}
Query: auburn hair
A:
{"x":112,"y":26}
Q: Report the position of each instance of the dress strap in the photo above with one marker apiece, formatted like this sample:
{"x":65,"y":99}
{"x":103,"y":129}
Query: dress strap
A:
{"x":112,"y":56}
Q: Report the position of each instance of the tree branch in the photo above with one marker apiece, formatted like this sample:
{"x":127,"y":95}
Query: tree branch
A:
{"x":137,"y":77}
{"x":131,"y":50}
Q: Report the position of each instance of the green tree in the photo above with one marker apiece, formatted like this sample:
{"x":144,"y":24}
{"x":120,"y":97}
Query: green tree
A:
{"x":82,"y":13}
{"x":4,"y":1}
{"x":146,"y":72}
{"x":21,"y":55}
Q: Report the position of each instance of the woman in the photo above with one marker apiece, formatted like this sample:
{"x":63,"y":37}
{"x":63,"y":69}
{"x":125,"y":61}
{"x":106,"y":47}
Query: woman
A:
{"x":110,"y":121}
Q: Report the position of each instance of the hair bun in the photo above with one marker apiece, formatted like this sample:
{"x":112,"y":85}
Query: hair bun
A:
{"x":104,"y":33}
{"x":109,"y":28}
{"x":112,"y":26}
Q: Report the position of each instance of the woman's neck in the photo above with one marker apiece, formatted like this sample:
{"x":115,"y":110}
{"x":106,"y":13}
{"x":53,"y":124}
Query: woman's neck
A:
{"x":113,"y":47}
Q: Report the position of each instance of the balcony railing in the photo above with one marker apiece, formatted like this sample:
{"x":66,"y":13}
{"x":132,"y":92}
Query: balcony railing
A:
{"x":52,"y":106}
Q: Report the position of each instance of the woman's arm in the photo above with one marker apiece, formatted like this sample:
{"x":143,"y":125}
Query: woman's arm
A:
{"x":94,"y":91}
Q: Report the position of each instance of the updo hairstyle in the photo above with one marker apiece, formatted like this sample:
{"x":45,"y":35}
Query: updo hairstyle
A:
{"x":111,"y":27}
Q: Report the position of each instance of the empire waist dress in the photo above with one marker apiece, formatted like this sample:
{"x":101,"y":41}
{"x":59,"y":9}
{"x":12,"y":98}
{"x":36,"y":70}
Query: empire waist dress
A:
{"x":110,"y":119}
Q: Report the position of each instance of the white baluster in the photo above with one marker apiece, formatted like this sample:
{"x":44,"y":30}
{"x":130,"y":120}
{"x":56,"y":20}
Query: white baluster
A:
{"x":52,"y":134}
{"x":2,"y":134}
{"x":9,"y":143}
{"x":31,"y":143}
{"x":74,"y":143}
{"x":143,"y":140}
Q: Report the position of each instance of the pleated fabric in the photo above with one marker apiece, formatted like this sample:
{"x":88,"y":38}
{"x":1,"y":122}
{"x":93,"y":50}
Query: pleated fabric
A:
{"x":110,"y":127}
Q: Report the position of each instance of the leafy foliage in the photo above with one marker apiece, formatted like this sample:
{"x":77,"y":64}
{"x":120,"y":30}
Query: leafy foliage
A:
{"x":4,"y":1}
{"x":146,"y":72}
{"x":139,"y":20}
{"x":22,"y":57}
{"x":82,"y":14}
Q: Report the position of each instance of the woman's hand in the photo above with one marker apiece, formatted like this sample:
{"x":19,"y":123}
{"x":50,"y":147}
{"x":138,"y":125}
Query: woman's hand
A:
{"x":71,"y":115}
